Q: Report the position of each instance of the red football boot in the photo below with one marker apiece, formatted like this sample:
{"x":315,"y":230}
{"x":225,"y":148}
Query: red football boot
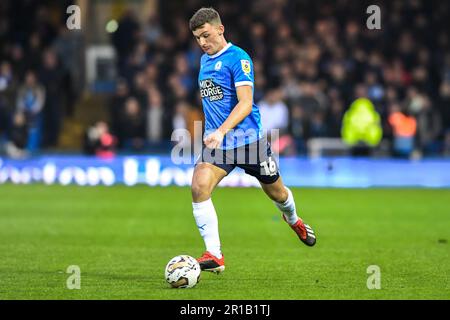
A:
{"x":304,"y":232}
{"x":211,"y":263}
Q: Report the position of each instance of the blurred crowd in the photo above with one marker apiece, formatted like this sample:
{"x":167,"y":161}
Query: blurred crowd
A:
{"x":36,"y":87}
{"x":312,"y":59}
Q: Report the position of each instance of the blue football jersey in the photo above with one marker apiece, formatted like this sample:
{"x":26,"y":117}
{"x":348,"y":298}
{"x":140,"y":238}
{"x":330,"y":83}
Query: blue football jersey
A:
{"x":218,"y":78}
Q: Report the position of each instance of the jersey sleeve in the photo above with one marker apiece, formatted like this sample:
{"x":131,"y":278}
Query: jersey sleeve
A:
{"x":242,"y":70}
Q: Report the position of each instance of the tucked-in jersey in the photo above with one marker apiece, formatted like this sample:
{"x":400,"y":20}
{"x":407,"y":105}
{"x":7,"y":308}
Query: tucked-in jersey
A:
{"x":220,"y":75}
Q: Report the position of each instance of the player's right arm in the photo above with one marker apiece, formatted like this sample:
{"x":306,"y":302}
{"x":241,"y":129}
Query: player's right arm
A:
{"x":242,"y":109}
{"x":242,"y":73}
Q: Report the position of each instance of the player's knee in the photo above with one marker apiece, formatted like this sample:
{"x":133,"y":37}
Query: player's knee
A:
{"x":200,"y":190}
{"x":279,"y":198}
{"x":279,"y":195}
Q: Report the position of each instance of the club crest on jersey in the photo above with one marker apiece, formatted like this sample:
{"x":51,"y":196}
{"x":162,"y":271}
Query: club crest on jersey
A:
{"x":218,"y":65}
{"x":245,"y":64}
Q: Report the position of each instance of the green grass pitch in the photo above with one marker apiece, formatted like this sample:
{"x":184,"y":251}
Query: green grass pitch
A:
{"x":122,"y":238}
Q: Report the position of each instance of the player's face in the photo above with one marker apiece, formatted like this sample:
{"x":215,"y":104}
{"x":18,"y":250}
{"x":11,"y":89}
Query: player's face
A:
{"x":209,"y":38}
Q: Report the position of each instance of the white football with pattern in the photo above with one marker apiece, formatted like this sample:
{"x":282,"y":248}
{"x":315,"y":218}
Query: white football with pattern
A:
{"x":182,"y":271}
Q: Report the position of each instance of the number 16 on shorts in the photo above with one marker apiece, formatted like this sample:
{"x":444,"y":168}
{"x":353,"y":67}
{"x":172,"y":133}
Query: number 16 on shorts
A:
{"x":269,"y":167}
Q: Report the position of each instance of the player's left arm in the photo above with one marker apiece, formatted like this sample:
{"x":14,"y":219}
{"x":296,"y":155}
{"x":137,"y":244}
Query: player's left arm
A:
{"x":242,"y":109}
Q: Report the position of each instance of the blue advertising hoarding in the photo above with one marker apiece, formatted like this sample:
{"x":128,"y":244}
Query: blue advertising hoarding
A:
{"x":161,"y":171}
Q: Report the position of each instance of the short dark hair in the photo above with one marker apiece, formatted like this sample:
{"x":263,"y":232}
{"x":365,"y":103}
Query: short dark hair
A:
{"x":202,"y":16}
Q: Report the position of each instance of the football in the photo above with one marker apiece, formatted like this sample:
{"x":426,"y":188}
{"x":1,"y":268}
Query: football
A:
{"x":182,"y":271}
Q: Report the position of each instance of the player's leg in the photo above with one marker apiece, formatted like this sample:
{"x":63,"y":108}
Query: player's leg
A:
{"x":205,"y":179}
{"x":284,"y":200}
{"x":282,"y":197}
{"x":266,"y":171}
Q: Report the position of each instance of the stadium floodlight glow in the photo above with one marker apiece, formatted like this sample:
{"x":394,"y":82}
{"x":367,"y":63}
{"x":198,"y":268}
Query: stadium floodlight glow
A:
{"x":112,"y":26}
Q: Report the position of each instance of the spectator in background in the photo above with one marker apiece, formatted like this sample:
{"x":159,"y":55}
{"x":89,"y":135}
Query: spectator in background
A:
{"x":260,"y":80}
{"x":334,"y":117}
{"x":444,"y":104}
{"x":309,"y":98}
{"x":66,"y":47}
{"x":182,"y":35}
{"x":404,"y":127}
{"x":152,"y":29}
{"x":338,"y":79}
{"x":8,"y":89}
{"x":258,"y":36}
{"x":155,"y":117}
{"x":415,"y":101}
{"x":375,"y":91}
{"x":117,"y":103}
{"x":44,"y":25}
{"x":182,"y":71}
{"x":34,"y":51}
{"x":18,"y":137}
{"x":446,"y":147}
{"x":31,"y":97}
{"x":196,"y":118}
{"x":298,"y":127}
{"x":429,"y":128}
{"x":274,"y":112}
{"x":18,"y":61}
{"x":289,"y":83}
{"x":131,"y":131}
{"x":126,"y":38}
{"x":51,"y":76}
{"x":193,"y":55}
{"x":140,"y":88}
{"x":152,"y":75}
{"x":180,"y":124}
{"x":317,"y":127}
{"x":133,"y":66}
{"x":99,"y":141}
{"x":184,"y":120}
{"x":275,"y":116}
{"x":178,"y":91}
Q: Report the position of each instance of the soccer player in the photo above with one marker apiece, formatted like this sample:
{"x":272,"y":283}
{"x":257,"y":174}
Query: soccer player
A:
{"x":233,"y":136}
